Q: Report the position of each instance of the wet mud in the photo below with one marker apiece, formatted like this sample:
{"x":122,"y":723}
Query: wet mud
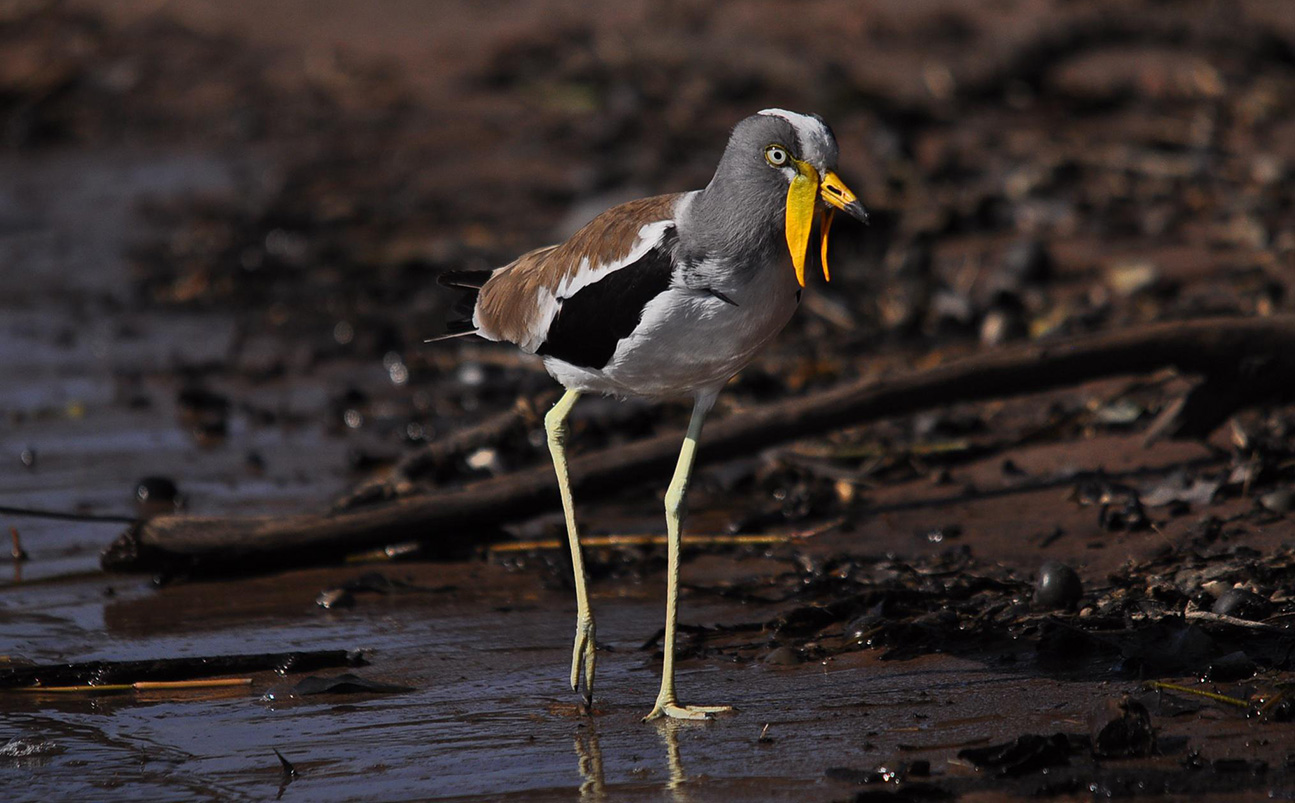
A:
{"x":220,"y":227}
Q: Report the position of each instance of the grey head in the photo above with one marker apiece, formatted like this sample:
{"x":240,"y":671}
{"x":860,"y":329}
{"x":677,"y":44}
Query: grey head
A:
{"x":741,"y":213}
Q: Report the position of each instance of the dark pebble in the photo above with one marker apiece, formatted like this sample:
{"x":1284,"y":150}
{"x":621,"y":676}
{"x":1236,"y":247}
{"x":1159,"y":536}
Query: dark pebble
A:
{"x":210,"y":433}
{"x":860,"y":629}
{"x":198,"y":398}
{"x":157,"y":495}
{"x":1126,"y":514}
{"x":1231,"y":667}
{"x":254,"y":462}
{"x":28,"y":457}
{"x":1010,"y":469}
{"x":1058,"y":587}
{"x":1242,"y":604}
{"x":1028,"y":262}
{"x":1123,"y":730}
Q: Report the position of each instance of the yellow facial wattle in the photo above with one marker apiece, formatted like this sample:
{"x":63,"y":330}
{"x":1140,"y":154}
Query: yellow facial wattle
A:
{"x":801,"y":198}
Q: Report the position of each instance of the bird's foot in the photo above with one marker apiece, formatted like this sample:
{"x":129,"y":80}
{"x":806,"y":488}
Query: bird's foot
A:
{"x":672,"y":709}
{"x":584,"y":656}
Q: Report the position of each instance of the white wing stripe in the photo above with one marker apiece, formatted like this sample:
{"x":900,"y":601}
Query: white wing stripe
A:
{"x":650,"y":235}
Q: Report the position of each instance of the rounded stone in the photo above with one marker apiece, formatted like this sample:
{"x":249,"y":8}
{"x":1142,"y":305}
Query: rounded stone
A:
{"x":156,"y":492}
{"x":1058,"y":587}
{"x":1241,"y":604}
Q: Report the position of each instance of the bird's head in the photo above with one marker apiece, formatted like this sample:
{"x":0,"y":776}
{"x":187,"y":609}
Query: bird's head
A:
{"x":795,"y":154}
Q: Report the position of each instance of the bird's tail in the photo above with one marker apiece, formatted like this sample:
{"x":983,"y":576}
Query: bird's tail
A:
{"x":469,"y":281}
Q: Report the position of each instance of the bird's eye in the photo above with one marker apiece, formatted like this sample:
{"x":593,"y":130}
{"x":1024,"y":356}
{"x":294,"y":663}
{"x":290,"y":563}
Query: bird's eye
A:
{"x":775,"y":155}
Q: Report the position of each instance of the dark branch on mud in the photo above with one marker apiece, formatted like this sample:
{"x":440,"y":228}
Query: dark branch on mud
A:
{"x":431,"y":458}
{"x":1254,"y":359}
{"x":102,"y":673}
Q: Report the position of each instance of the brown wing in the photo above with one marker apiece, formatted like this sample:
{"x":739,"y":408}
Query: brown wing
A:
{"x":518,"y":302}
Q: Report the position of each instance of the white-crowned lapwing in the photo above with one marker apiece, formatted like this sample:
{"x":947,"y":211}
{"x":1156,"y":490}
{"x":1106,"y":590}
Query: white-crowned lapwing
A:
{"x":668,"y":296}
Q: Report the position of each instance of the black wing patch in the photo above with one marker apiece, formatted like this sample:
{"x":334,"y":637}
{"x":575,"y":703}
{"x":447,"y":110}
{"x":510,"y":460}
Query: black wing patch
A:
{"x":590,"y":324}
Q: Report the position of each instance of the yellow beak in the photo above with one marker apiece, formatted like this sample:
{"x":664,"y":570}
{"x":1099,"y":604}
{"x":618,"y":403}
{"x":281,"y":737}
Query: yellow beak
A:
{"x":802,"y":197}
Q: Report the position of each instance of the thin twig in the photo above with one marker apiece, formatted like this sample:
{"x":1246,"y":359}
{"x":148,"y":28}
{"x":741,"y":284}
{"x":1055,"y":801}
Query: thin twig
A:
{"x":598,"y":541}
{"x":1215,"y":696}
{"x":1224,"y":619}
{"x":143,"y":685}
{"x":63,"y":515}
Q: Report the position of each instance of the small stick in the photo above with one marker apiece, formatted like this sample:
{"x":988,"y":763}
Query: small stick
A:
{"x":639,"y":540}
{"x":1224,"y":619}
{"x":156,"y":685}
{"x":1221,"y":698}
{"x":144,"y":685}
{"x":63,"y":515}
{"x":657,"y":540}
{"x":389,"y":552}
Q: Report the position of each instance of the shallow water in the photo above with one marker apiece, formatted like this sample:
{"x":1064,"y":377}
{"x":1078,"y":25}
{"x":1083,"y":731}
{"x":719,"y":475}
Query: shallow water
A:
{"x":489,"y":715}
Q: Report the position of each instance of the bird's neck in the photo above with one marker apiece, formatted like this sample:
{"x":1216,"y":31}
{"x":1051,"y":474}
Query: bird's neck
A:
{"x":737,"y":224}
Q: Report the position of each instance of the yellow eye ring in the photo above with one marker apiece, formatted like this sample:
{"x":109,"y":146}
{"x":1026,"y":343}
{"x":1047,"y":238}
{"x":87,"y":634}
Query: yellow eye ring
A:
{"x":776,"y":155}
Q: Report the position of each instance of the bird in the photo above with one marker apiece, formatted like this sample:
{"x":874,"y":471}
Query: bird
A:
{"x":666,"y":297}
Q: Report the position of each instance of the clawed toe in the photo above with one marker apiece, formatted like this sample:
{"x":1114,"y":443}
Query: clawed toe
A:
{"x":673,"y":710}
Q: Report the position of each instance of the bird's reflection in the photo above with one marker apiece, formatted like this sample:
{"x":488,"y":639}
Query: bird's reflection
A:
{"x":669,"y":732}
{"x":590,"y":761}
{"x":590,"y":757}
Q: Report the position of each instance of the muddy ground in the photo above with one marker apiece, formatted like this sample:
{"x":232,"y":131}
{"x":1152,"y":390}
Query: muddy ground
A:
{"x":220,"y":224}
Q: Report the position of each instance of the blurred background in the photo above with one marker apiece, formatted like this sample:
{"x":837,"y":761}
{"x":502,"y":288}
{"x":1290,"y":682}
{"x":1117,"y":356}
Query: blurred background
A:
{"x":220,"y":221}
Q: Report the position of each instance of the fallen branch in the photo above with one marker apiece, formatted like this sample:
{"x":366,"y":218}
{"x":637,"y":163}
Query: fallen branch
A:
{"x":1256,"y":356}
{"x":170,"y":670}
{"x":432,"y":458}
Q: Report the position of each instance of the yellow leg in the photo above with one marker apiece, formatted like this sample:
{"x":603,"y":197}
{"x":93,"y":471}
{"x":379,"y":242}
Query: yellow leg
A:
{"x":667,"y":704}
{"x":584,"y":653}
